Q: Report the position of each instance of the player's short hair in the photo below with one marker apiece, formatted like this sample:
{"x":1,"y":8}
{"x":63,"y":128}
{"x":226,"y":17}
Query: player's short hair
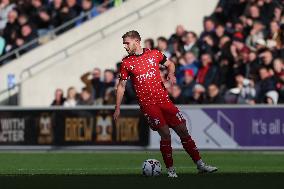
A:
{"x":132,"y":34}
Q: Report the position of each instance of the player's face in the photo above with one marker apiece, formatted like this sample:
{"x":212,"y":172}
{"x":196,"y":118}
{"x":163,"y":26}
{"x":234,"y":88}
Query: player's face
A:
{"x":130,"y":45}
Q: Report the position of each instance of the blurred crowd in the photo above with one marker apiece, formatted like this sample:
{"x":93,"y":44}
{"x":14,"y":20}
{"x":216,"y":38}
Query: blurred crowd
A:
{"x":22,"y":21}
{"x":237,"y":59}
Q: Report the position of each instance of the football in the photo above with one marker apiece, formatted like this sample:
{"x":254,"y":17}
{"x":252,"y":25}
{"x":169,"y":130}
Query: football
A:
{"x":151,"y":167}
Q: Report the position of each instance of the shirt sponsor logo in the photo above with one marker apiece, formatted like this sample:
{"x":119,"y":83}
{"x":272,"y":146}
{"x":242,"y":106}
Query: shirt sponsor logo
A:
{"x":150,"y":74}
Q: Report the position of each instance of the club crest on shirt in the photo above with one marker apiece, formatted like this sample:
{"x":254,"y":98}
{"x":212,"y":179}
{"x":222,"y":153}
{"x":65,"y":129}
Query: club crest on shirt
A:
{"x":152,"y":61}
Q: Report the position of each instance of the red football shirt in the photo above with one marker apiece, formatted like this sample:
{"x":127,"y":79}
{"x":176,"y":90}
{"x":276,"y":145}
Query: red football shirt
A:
{"x":144,"y":73}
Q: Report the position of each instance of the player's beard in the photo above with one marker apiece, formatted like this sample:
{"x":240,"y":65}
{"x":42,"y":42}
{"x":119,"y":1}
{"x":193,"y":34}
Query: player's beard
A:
{"x":131,"y":50}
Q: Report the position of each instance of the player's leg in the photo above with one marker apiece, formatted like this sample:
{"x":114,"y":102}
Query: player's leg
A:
{"x":177,"y":122}
{"x":190,"y":147}
{"x":166,"y":149}
{"x":157,"y":123}
{"x":187,"y":142}
{"x":165,"y":145}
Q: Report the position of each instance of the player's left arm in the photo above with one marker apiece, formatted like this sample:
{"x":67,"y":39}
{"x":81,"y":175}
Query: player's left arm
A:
{"x":171,"y":71}
{"x":163,"y":60}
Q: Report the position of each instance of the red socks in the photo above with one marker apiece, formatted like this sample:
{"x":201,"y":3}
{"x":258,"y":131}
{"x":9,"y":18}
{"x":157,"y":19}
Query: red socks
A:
{"x":190,"y":147}
{"x":166,"y":150}
{"x":187,"y":143}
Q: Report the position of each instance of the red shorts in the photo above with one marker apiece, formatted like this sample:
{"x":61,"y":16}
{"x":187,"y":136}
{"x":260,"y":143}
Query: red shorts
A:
{"x":159,"y":115}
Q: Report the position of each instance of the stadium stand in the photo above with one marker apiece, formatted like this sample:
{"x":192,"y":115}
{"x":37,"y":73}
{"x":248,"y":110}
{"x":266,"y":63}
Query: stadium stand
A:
{"x":25,"y":24}
{"x":237,"y":59}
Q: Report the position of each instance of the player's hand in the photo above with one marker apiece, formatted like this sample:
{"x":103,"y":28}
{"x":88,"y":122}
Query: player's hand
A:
{"x":172,"y":78}
{"x":116,"y":114}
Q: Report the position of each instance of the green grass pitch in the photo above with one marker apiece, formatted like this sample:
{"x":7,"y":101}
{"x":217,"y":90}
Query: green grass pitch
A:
{"x":123,"y":170}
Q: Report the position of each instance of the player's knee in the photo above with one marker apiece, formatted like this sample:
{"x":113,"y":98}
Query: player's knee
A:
{"x":164,"y":132}
{"x":166,"y":137}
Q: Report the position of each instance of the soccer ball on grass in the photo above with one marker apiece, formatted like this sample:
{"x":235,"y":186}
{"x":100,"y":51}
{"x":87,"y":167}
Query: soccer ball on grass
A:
{"x":151,"y":167}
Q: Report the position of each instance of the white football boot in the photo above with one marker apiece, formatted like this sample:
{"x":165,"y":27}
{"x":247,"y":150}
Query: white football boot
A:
{"x":172,"y":172}
{"x":203,"y":168}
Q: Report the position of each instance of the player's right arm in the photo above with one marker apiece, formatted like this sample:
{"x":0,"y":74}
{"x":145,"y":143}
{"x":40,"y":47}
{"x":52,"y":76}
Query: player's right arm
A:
{"x":119,"y":95}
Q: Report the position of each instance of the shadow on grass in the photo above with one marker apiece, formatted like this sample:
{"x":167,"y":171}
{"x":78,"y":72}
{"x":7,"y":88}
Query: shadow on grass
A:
{"x":216,"y":180}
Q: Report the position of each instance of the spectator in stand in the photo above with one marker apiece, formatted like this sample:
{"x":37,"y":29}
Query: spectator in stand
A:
{"x":274,"y":35}
{"x":246,"y":88}
{"x":208,"y":45}
{"x":271,"y":97}
{"x":176,"y":37}
{"x":266,"y":83}
{"x":27,"y":35}
{"x":280,"y":87}
{"x":85,"y":98}
{"x":253,"y":14}
{"x":260,"y":45}
{"x":190,"y":43}
{"x":163,"y":46}
{"x":198,"y":95}
{"x":209,"y":29}
{"x":149,"y":43}
{"x":266,"y":60}
{"x":177,"y":51}
{"x":176,"y":95}
{"x":225,"y":62}
{"x":55,"y":13}
{"x":243,"y":61}
{"x":228,"y":12}
{"x":87,"y":9}
{"x":23,"y":19}
{"x":188,"y":84}
{"x":71,"y":100}
{"x":11,"y":30}
{"x":239,"y":26}
{"x":40,"y":17}
{"x":189,"y":62}
{"x":74,"y":6}
{"x":278,"y":68}
{"x":208,"y":73}
{"x":94,"y":85}
{"x":109,"y":82}
{"x":58,"y":98}
{"x":280,"y":49}
{"x":220,"y":32}
{"x":256,"y":33}
{"x":5,"y":7}
{"x":251,"y":70}
{"x":213,"y":95}
{"x":238,"y":46}
{"x":24,"y":6}
{"x":69,"y":11}
{"x":266,"y":10}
